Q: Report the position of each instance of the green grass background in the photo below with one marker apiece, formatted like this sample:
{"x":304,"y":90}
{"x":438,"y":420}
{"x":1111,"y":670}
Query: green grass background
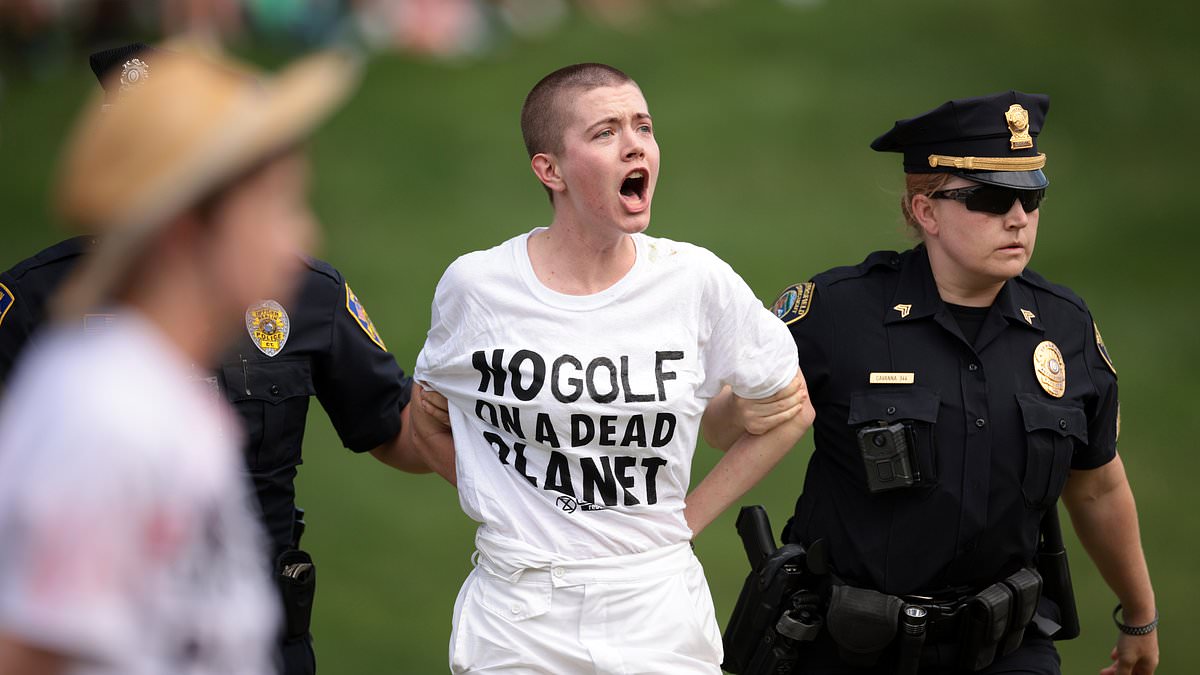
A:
{"x":764,"y":113}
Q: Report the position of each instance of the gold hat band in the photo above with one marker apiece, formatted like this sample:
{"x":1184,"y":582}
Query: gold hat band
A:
{"x":989,"y":163}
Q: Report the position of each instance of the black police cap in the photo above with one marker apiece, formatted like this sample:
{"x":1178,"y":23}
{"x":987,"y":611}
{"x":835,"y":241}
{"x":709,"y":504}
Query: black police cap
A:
{"x":987,"y":139}
{"x":106,"y":64}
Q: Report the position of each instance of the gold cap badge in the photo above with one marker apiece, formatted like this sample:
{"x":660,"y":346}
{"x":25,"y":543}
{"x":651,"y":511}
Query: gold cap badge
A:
{"x":134,"y":73}
{"x":268,"y":325}
{"x":1050,"y":370}
{"x":1018,"y":124}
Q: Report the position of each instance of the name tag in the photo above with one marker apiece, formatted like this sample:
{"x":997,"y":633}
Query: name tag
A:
{"x":893,"y":378}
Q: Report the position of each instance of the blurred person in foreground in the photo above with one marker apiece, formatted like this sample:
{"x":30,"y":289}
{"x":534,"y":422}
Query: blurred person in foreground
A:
{"x":959,"y":394}
{"x":578,"y":360}
{"x":318,"y":342}
{"x":130,"y":542}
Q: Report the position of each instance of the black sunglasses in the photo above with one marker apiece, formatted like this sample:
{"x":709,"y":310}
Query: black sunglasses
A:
{"x":992,"y":198}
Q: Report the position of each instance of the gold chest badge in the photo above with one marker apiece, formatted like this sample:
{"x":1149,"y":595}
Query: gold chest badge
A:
{"x":268,"y":325}
{"x":1050,"y":370}
{"x":1018,"y":125}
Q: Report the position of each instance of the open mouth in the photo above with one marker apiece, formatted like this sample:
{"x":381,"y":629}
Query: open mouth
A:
{"x":633,"y":188}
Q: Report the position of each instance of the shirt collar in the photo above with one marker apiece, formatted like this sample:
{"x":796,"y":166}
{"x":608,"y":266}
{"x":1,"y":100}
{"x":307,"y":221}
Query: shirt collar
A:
{"x":917,"y":297}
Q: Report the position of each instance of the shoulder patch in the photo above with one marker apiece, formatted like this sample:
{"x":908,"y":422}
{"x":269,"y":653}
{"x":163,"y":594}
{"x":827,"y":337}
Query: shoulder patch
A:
{"x":7,"y":299}
{"x":794,"y":302}
{"x":359,"y":313}
{"x":1103,"y":349}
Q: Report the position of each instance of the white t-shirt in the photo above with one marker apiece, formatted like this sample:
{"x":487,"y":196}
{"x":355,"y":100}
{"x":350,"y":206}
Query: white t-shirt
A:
{"x":128,"y":540}
{"x":575,"y":418}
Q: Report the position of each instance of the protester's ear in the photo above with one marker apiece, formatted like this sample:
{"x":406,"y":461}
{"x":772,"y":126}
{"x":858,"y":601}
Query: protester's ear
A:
{"x":545,"y":167}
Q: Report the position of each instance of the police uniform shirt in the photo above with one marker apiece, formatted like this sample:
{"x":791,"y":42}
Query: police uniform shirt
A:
{"x":25,"y":290}
{"x":328,"y":347}
{"x":993,"y":444}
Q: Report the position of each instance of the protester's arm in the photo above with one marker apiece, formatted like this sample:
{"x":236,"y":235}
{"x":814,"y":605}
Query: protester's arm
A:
{"x":1104,"y":515}
{"x":748,"y":459}
{"x":728,"y":415}
{"x":17,"y":656}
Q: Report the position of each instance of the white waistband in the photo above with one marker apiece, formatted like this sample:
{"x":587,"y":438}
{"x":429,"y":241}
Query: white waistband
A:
{"x":515,"y":560}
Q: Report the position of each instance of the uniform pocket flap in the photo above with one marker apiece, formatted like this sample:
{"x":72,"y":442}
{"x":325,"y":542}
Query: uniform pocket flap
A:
{"x":271,"y":381}
{"x":910,"y":403}
{"x":1062,"y":419}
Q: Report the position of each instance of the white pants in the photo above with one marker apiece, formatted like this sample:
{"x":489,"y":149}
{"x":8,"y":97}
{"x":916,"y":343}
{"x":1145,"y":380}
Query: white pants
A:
{"x":522,"y":611}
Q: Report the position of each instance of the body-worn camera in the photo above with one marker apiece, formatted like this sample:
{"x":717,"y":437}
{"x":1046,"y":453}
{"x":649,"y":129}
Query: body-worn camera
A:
{"x":886,"y":450}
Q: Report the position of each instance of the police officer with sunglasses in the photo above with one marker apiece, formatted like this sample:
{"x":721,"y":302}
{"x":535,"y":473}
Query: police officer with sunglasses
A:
{"x":959,"y":395}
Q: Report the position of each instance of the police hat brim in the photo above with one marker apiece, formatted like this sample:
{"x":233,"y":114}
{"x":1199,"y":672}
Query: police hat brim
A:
{"x":1021,"y":180}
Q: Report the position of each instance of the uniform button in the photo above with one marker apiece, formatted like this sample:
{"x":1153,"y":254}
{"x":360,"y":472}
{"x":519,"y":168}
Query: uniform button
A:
{"x":516,"y":609}
{"x":274,"y":390}
{"x":980,"y":422}
{"x":891,"y":410}
{"x":1062,"y":424}
{"x":973,"y":367}
{"x":558,"y":572}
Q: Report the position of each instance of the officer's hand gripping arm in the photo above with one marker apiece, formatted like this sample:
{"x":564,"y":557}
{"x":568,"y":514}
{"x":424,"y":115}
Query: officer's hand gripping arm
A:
{"x":728,"y":415}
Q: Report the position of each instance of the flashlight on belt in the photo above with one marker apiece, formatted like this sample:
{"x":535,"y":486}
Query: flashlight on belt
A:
{"x":912,"y":639}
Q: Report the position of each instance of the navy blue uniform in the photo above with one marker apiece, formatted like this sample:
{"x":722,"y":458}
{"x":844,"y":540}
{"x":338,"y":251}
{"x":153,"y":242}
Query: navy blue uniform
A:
{"x":331,"y":350}
{"x":994,"y":446}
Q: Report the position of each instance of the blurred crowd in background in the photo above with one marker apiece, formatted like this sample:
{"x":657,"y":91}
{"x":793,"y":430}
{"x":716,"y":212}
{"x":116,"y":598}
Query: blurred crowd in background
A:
{"x":38,"y":35}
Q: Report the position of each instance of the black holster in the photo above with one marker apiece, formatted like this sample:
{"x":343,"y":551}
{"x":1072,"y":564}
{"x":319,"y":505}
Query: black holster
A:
{"x":1056,"y":574}
{"x":776,"y":610}
{"x":296,"y":576}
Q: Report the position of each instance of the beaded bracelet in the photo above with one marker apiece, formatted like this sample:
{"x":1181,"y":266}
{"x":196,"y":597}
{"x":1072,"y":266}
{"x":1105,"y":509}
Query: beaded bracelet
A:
{"x":1134,"y":630}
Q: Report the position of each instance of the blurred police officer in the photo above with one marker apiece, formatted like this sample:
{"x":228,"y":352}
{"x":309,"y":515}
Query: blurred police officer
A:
{"x":129,"y":540}
{"x":321,"y":343}
{"x":958,"y":396}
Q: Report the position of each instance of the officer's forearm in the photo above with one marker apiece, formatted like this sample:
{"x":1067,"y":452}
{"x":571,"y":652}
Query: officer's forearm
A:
{"x":743,"y":466}
{"x":401,"y":452}
{"x":1104,"y":515}
{"x":728,"y":416}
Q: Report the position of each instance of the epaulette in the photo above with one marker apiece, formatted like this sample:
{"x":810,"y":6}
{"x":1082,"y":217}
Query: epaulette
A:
{"x":322,"y":267}
{"x":889,"y":259}
{"x":69,"y":248}
{"x":1038,"y":281}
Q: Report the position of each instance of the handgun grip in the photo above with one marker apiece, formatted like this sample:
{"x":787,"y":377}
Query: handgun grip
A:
{"x":754,"y":528}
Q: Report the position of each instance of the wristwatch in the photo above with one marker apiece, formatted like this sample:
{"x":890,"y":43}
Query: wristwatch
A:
{"x":1134,"y":630}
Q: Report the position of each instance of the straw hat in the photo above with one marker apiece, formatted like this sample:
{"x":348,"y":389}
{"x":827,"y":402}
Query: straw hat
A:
{"x":192,"y":123}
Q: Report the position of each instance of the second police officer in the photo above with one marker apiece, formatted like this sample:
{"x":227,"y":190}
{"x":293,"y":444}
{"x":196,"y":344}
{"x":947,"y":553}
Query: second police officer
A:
{"x":321,"y":344}
{"x":958,"y":396}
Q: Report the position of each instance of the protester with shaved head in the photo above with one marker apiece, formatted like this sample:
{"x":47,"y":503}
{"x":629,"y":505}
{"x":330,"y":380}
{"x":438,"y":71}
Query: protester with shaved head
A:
{"x":577,"y":360}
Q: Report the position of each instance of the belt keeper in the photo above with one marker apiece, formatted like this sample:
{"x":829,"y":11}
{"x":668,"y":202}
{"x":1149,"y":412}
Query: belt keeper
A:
{"x":1134,"y":630}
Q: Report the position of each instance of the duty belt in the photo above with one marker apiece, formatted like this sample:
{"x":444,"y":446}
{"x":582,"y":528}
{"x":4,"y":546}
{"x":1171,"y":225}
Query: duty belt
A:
{"x":868,"y":626}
